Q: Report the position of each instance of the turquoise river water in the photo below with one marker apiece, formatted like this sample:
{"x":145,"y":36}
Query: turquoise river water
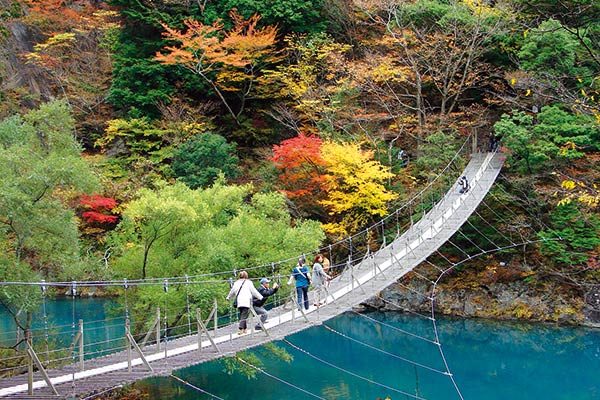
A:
{"x":489,"y":360}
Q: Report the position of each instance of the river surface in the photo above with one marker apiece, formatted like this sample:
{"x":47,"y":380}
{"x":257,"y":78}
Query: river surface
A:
{"x":369,"y":357}
{"x":489,"y":360}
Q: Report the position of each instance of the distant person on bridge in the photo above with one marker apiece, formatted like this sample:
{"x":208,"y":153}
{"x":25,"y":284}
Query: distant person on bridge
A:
{"x":493,"y":142}
{"x":319,"y":279}
{"x":244,"y":292}
{"x":301,"y":275}
{"x":265,"y":291}
{"x":464,"y":184}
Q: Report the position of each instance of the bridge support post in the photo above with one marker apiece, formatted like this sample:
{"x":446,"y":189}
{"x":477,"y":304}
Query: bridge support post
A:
{"x":215,"y":318}
{"x":156,"y":328}
{"x":78,"y":339}
{"x":202,"y":328}
{"x":259,"y":322}
{"x":33,"y":358}
{"x":295,"y":306}
{"x":81,"y":347}
{"x":214,"y":315}
{"x":132,"y":343}
{"x":128,"y":345}
{"x":29,"y":368}
{"x":354,"y":279}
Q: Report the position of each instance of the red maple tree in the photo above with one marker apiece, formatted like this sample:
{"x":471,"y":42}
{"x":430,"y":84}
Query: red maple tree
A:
{"x":301,"y":169}
{"x":99,"y":208}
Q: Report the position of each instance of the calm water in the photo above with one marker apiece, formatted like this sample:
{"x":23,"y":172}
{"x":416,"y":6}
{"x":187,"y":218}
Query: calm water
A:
{"x":489,"y":360}
{"x":57,"y":322}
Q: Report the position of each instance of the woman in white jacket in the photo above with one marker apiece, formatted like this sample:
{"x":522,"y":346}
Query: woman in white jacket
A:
{"x":244,"y":291}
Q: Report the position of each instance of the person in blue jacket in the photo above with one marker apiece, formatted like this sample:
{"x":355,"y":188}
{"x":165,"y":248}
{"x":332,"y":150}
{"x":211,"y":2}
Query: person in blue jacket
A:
{"x":301,"y":275}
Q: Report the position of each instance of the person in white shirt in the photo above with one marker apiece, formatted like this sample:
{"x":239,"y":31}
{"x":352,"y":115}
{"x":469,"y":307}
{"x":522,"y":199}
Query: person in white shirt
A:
{"x":244,"y":291}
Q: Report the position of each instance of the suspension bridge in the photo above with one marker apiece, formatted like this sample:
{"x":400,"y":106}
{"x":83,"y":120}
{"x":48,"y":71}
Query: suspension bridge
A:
{"x":361,"y":277}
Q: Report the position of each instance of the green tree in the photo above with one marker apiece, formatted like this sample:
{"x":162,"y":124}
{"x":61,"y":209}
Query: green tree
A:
{"x":155,"y":215}
{"x":42,"y":169}
{"x":139,"y":150}
{"x":176,"y":230}
{"x":579,"y":233}
{"x":549,"y":49}
{"x":555,"y":136}
{"x":529,"y":152}
{"x":202,"y":158}
{"x":559,"y":59}
{"x":289,"y":15}
{"x":139,"y":83}
{"x":573,"y":133}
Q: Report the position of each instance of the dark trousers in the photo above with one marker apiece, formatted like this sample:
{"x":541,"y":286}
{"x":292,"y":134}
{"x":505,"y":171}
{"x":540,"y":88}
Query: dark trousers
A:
{"x":243,"y":316}
{"x":302,"y":291}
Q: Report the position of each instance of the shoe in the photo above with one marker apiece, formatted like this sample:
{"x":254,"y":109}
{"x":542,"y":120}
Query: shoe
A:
{"x":241,"y":331}
{"x":258,"y":328}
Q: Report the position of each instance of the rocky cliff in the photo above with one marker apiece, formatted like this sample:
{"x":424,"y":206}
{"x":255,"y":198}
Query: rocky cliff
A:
{"x":499,"y":292}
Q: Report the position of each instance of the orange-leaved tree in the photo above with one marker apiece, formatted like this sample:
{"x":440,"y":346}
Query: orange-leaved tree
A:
{"x":354,"y":183}
{"x":301,"y":172}
{"x":226,"y":60}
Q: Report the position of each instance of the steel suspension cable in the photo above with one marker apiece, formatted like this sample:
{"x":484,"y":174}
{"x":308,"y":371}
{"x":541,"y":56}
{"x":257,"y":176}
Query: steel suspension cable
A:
{"x":196,"y":388}
{"x":354,"y":374}
{"x":383,"y":351}
{"x":395,"y":328}
{"x":262,"y":371}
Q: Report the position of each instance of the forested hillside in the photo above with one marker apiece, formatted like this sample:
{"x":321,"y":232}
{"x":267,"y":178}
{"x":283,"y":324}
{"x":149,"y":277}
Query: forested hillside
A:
{"x":158,"y":138}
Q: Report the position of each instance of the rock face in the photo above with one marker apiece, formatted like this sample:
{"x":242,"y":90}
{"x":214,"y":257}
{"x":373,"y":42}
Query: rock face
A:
{"x":591,"y":308}
{"x":16,"y":39}
{"x":515,"y":299}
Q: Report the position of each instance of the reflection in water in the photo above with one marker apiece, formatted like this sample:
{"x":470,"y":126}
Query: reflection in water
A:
{"x":490,"y":360}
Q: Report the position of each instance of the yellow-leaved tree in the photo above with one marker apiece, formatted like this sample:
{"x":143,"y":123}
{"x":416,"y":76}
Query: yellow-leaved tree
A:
{"x":356,"y":194}
{"x":588,"y":195}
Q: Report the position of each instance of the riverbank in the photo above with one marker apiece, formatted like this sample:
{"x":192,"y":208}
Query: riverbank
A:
{"x":494,"y":291}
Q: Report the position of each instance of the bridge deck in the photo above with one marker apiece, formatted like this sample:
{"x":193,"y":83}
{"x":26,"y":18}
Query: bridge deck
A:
{"x":355,"y":285}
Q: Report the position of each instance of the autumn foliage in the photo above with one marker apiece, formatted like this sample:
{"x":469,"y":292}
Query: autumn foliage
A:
{"x":228,"y":60}
{"x":337,"y":178}
{"x":301,"y":169}
{"x":99,"y":209}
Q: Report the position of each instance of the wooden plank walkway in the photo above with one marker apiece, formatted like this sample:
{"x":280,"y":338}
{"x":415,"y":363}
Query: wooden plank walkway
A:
{"x":355,"y":285}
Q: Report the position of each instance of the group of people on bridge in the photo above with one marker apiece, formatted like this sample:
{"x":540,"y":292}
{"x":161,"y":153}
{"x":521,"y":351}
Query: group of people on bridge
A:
{"x":245,"y":295}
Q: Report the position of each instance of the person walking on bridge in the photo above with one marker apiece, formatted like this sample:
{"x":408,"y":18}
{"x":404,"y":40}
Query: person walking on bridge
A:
{"x":265,"y":291}
{"x":463,"y":182}
{"x":300,"y":274}
{"x":319,"y":279}
{"x":244,"y":291}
